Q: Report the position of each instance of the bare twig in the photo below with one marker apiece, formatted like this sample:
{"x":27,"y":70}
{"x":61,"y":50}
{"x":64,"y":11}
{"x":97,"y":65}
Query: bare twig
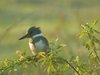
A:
{"x":69,"y":65}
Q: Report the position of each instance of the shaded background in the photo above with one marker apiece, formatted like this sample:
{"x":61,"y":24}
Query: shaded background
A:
{"x":56,"y":18}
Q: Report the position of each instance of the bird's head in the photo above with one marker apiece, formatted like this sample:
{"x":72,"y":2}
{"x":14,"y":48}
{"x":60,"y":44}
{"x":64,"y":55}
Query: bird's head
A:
{"x":32,"y":31}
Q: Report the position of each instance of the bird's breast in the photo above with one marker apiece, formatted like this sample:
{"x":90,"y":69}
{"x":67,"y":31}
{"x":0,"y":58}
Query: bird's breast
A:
{"x":31,"y":45}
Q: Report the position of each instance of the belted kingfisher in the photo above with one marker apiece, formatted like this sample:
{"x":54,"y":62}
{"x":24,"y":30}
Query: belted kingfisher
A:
{"x":37,"y":42}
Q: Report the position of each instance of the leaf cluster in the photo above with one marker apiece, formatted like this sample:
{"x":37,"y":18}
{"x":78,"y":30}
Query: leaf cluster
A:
{"x":52,"y":62}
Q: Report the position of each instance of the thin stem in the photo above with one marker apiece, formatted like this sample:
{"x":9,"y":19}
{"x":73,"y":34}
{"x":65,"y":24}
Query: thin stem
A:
{"x":96,"y":55}
{"x":16,"y":63}
{"x":70,"y":65}
{"x":94,"y":48}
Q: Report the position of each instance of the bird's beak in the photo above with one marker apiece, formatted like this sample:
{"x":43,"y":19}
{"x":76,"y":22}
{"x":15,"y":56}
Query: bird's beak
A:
{"x":23,"y":37}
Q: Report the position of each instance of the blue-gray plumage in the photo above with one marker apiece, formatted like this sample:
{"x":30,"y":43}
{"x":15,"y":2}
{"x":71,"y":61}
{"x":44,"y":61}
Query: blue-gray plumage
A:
{"x":37,"y":42}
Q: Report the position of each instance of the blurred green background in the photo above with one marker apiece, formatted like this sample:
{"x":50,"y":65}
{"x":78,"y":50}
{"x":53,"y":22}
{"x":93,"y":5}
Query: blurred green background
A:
{"x":56,"y":18}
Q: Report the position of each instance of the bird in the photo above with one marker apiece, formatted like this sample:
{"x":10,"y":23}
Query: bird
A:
{"x":37,"y":41}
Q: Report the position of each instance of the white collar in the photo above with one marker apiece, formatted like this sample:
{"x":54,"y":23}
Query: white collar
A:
{"x":37,"y":35}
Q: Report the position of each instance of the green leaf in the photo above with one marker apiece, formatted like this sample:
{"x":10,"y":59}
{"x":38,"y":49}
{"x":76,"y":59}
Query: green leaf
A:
{"x":62,"y":45}
{"x":94,"y":23}
{"x":81,"y":35}
{"x":49,"y":69}
{"x":56,"y":39}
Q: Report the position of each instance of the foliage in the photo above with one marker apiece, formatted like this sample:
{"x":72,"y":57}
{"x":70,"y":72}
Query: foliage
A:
{"x":51,"y":63}
{"x":54,"y":64}
{"x":91,"y":41}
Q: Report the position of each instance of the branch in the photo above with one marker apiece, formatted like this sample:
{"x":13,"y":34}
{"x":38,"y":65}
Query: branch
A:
{"x":28,"y":58}
{"x":70,"y":65}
